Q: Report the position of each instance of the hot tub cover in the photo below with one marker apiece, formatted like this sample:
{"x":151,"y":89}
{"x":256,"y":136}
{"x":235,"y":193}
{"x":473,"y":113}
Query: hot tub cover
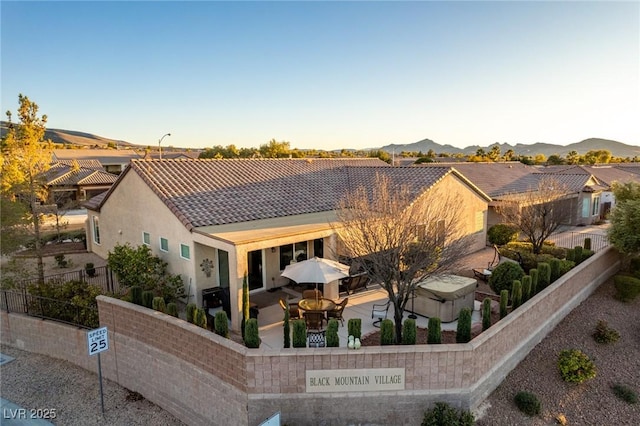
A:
{"x":449,"y":287}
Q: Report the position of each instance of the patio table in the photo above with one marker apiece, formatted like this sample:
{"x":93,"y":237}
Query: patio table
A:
{"x":316,"y":304}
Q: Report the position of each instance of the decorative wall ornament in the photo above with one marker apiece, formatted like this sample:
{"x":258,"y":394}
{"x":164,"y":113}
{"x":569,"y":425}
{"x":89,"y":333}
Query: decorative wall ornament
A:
{"x":207,"y":266}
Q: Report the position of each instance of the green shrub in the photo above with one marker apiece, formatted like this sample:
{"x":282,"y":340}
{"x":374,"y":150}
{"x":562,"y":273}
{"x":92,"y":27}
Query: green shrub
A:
{"x":434,"y":335}
{"x":528,"y":403}
{"x":442,"y":414}
{"x":516,"y":296}
{"x":72,"y":301}
{"x":136,"y":295}
{"x":354,"y":327}
{"x":299,"y":334}
{"x":200,"y":318}
{"x":571,"y":255}
{"x":554,"y":264}
{"x":503,"y":275}
{"x":535,"y":276}
{"x":587,"y":243}
{"x":627,"y":287}
{"x":625,"y":393}
{"x":504,"y":301}
{"x":158,"y":304}
{"x":578,"y":254}
{"x":526,"y":288}
{"x":486,"y":313}
{"x":387,"y":332}
{"x":544,"y":279}
{"x":147,"y":299}
{"x":502,"y":234}
{"x":172,"y":309}
{"x":463,"y":332}
{"x":221,"y":324}
{"x":575,"y":366}
{"x":604,"y":333}
{"x":251,"y":337}
{"x":286,"y":329}
{"x":191,"y":309}
{"x":634,"y":266}
{"x":333,"y":340}
{"x":566,"y":266}
{"x":409,"y":332}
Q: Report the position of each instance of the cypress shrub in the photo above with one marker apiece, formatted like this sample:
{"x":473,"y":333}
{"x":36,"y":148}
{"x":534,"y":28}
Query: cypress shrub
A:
{"x":251,"y":338}
{"x":434,"y":335}
{"x":136,"y":295}
{"x":544,"y":278}
{"x":503,"y":275}
{"x":221,"y":324}
{"x":199,"y":318}
{"x":286,"y":328}
{"x":147,"y":299}
{"x":535,"y":276}
{"x":299,"y":334}
{"x":354,"y":326}
{"x":516,"y":297}
{"x":504,"y":301}
{"x":409,"y":332}
{"x":191,"y":309}
{"x":587,"y":243}
{"x":526,"y":288}
{"x":554,"y":264}
{"x":158,"y":304}
{"x":387,"y":334}
{"x":333,"y":340}
{"x":571,"y":255}
{"x":528,"y":403}
{"x":578,"y":254}
{"x":172,"y":309}
{"x":486,"y":313}
{"x":463,"y":332}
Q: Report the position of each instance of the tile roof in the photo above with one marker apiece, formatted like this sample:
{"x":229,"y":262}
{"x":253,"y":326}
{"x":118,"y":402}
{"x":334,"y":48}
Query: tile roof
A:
{"x":216,"y":192}
{"x":105,"y":156}
{"x":61,"y":174}
{"x":90,"y":164}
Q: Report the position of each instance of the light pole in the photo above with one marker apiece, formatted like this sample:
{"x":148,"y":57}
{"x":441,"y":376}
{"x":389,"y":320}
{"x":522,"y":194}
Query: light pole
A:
{"x":160,"y":141}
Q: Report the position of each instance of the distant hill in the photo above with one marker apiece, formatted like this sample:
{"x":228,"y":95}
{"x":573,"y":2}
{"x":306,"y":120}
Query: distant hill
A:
{"x":75,"y":138}
{"x":617,"y":149}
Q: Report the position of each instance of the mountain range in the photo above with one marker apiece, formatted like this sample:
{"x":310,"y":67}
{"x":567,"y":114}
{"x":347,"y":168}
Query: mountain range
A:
{"x":617,"y":149}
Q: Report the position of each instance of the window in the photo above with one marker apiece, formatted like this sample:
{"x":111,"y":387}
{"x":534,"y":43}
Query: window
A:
{"x":96,"y":230}
{"x":301,"y":251}
{"x":479,"y":221}
{"x":164,"y":244}
{"x":185,"y":252}
{"x":596,"y":206}
{"x":146,"y":239}
{"x":286,"y":254}
{"x":585,"y":207}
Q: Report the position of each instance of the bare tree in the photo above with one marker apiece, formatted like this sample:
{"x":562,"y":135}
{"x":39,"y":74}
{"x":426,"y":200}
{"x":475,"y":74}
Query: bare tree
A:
{"x":538,"y":212}
{"x":404,"y":236}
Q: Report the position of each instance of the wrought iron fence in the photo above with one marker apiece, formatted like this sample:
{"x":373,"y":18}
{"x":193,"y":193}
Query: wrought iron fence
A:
{"x":573,"y":239}
{"x":102,"y":276}
{"x":51,"y":309}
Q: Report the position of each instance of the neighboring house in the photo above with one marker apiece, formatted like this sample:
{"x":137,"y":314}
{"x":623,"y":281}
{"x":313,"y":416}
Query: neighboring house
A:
{"x":112,"y":160}
{"x":249,"y":216}
{"x":70,"y":183}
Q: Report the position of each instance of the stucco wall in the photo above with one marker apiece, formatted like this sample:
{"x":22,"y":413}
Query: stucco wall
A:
{"x":205,"y":379}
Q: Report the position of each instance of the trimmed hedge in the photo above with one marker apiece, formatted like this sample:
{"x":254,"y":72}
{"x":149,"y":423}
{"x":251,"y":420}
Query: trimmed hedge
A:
{"x":354,"y":327}
{"x":627,"y":287}
{"x":503,"y":276}
{"x":434,"y":335}
{"x":387,"y":332}
{"x":409,"y":332}
{"x":502,"y":234}
{"x":333,"y":340}
{"x":463,"y":332}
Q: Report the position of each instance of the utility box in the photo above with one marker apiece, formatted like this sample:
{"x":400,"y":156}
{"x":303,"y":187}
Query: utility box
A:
{"x":443,"y":296}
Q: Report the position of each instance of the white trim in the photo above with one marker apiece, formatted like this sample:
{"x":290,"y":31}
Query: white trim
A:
{"x":188,"y":249}
{"x":144,"y":233}
{"x":160,"y":244}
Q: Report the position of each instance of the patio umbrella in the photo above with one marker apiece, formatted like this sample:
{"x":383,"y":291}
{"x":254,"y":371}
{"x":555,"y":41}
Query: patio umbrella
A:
{"x":316,"y":270}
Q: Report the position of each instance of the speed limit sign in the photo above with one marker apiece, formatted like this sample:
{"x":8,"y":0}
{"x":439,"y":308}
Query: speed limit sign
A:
{"x":98,"y":340}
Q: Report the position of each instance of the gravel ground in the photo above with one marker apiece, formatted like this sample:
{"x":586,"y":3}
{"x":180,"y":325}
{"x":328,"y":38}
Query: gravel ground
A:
{"x":592,"y":402}
{"x":39,"y":382}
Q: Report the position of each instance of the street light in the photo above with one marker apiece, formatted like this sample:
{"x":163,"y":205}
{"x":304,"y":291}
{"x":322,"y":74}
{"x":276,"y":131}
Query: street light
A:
{"x":160,"y":141}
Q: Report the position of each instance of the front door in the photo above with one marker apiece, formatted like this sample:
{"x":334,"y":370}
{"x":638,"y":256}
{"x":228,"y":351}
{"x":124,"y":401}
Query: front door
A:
{"x":254,"y":259}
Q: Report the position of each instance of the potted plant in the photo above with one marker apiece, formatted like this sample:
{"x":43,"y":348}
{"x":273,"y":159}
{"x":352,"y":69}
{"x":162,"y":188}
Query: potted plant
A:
{"x":90,"y":269}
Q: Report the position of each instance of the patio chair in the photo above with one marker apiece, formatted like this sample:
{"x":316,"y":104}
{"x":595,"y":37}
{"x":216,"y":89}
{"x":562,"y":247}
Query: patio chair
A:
{"x":312,"y":294}
{"x":315,"y":320}
{"x":294,"y":311}
{"x":338,"y":311}
{"x":379,"y":311}
{"x":484,"y":273}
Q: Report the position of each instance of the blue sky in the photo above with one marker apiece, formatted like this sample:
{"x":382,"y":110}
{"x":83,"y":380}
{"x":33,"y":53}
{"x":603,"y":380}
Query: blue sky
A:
{"x":328,"y":75}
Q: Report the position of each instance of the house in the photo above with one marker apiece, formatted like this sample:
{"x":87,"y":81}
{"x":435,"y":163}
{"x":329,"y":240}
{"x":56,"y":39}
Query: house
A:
{"x":214,"y":221}
{"x":70,"y":183}
{"x":112,"y":160}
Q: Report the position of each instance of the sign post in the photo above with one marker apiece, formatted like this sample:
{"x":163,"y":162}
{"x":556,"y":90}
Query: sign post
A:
{"x":98,"y":341}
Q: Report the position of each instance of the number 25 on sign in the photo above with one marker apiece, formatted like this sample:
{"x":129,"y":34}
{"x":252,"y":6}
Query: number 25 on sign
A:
{"x":98,"y":340}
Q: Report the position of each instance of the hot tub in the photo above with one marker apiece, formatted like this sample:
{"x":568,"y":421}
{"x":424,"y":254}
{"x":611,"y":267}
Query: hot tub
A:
{"x":443,"y":296}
